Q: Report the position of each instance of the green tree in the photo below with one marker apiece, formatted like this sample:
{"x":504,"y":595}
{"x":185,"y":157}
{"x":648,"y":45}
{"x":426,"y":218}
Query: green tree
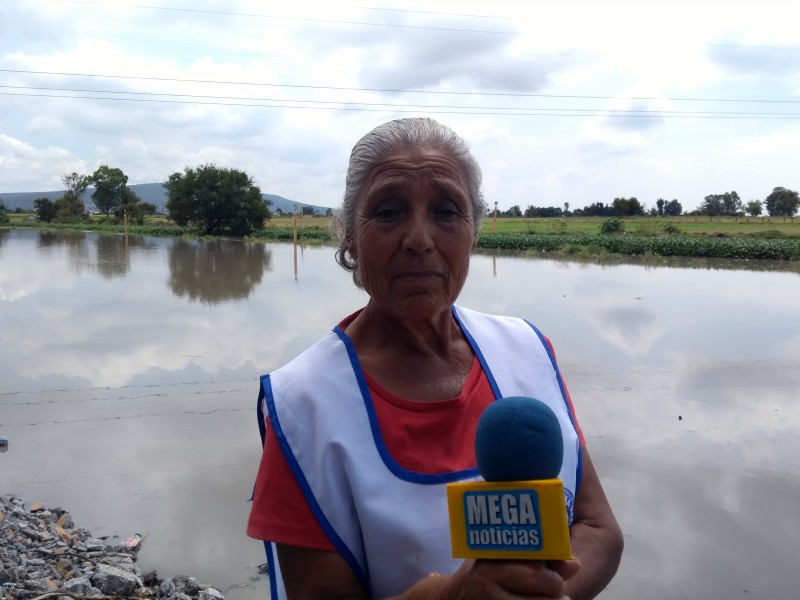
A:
{"x":514,"y":211}
{"x":76,"y":184}
{"x":110,"y":185}
{"x":627,"y":207}
{"x":715,"y":205}
{"x":70,"y":208}
{"x":133,"y":208}
{"x":731,"y":203}
{"x":148,"y":208}
{"x":3,"y":213}
{"x":216,"y":200}
{"x":673,"y":208}
{"x":597,"y":209}
{"x":660,"y":206}
{"x":711,"y":206}
{"x":754,"y":208}
{"x":782,"y":202}
{"x":45,"y":209}
{"x":549,"y":212}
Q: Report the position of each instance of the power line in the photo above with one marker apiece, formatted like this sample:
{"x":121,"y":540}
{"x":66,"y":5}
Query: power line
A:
{"x":430,"y":12}
{"x":306,"y":19}
{"x":357,"y":107}
{"x":390,"y":25}
{"x":397,"y":91}
{"x":509,"y":109}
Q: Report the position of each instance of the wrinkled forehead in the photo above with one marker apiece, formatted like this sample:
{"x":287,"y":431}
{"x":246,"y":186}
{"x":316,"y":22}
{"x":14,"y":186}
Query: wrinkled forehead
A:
{"x":407,"y":166}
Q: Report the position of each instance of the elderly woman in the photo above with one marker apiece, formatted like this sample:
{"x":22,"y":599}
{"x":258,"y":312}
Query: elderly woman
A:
{"x":363,"y":431}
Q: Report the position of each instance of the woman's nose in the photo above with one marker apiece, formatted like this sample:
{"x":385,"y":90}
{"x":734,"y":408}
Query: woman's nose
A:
{"x":418,"y":233}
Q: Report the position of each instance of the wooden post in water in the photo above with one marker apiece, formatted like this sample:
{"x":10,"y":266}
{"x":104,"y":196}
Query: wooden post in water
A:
{"x":294,"y":213}
{"x":295,"y":261}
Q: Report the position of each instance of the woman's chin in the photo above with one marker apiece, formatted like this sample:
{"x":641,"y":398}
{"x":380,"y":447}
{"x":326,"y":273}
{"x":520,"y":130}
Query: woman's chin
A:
{"x":417,"y":306}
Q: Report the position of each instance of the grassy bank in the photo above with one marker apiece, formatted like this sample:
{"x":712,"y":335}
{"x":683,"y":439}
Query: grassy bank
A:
{"x":768,"y":238}
{"x":710,"y":247}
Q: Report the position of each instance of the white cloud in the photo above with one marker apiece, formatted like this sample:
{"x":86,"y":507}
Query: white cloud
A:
{"x":254,"y":86}
{"x":24,"y":166}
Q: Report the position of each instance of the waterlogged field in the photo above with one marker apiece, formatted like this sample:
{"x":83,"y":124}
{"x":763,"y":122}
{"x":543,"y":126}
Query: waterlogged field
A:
{"x":701,"y":226}
{"x":129,"y":372}
{"x":715,"y":247}
{"x":762,"y":238}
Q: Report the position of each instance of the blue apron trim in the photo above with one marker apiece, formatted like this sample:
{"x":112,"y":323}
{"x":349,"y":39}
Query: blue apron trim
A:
{"x":397,"y":470}
{"x":341,"y":547}
{"x":478,"y":353}
{"x":579,"y":470}
{"x":272,"y":562}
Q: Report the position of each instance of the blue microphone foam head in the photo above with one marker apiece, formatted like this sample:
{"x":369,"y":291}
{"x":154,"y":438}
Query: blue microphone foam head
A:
{"x":518,"y":439}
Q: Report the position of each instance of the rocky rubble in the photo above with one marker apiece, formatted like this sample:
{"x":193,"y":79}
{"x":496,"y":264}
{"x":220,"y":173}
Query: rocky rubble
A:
{"x":44,"y":555}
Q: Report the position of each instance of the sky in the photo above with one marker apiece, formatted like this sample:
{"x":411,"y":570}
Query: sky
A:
{"x":561,"y":101}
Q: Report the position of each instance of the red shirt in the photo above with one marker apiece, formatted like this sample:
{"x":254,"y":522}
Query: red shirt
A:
{"x":420,"y":437}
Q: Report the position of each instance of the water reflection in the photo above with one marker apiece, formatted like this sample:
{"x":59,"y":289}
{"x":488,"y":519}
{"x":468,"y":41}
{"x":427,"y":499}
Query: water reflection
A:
{"x":50,"y":243}
{"x":122,"y":404}
{"x":650,"y":261}
{"x":114,"y":253}
{"x":216,"y":271}
{"x":107,"y":254}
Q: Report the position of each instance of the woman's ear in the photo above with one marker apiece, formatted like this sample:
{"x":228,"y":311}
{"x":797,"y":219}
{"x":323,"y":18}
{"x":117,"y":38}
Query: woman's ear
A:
{"x":351,"y":250}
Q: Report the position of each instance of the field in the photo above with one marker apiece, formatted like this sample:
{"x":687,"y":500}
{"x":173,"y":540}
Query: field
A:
{"x":687,"y":225}
{"x":692,"y":226}
{"x":767,"y":238}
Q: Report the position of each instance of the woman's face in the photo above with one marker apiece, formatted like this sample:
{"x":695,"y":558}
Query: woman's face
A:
{"x":414,"y":233}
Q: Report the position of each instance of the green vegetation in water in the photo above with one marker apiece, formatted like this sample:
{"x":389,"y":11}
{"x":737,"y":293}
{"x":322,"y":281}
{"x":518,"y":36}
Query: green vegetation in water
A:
{"x":612,"y":225}
{"x":287,"y":233}
{"x":160,"y":230}
{"x":650,"y":238}
{"x":712,"y":247}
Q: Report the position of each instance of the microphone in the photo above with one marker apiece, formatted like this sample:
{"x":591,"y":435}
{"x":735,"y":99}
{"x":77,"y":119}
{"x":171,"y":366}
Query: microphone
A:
{"x":518,"y":512}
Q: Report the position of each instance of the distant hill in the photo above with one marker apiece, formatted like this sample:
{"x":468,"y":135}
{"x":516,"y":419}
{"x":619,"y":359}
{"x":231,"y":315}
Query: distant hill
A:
{"x":24,"y":200}
{"x":287,"y":205}
{"x":148,"y":192}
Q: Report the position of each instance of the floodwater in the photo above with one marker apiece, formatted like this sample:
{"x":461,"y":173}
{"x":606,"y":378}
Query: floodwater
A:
{"x":128,"y":383}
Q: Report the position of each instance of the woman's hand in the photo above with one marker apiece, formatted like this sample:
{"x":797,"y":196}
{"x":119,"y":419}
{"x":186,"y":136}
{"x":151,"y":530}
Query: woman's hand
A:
{"x":595,"y":536}
{"x":506,"y":579}
{"x":314,"y":574}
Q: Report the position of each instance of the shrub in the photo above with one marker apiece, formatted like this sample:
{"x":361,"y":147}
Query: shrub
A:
{"x":670,"y":228}
{"x":612,"y":225}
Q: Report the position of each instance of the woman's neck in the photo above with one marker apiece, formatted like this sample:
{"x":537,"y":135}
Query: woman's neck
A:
{"x":375,"y":331}
{"x":426,"y":359}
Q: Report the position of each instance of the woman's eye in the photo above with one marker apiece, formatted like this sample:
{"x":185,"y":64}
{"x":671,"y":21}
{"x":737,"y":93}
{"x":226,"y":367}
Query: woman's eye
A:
{"x":447,"y":213}
{"x":386,"y":213}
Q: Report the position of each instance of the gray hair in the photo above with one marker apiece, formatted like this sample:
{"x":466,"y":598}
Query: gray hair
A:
{"x":400,"y":134}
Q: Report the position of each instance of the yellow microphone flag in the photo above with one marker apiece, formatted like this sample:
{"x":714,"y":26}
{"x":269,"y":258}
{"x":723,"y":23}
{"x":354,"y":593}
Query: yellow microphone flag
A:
{"x":509,"y":519}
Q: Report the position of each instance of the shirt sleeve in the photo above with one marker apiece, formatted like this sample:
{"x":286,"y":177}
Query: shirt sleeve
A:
{"x":569,"y":400}
{"x":280,"y":512}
